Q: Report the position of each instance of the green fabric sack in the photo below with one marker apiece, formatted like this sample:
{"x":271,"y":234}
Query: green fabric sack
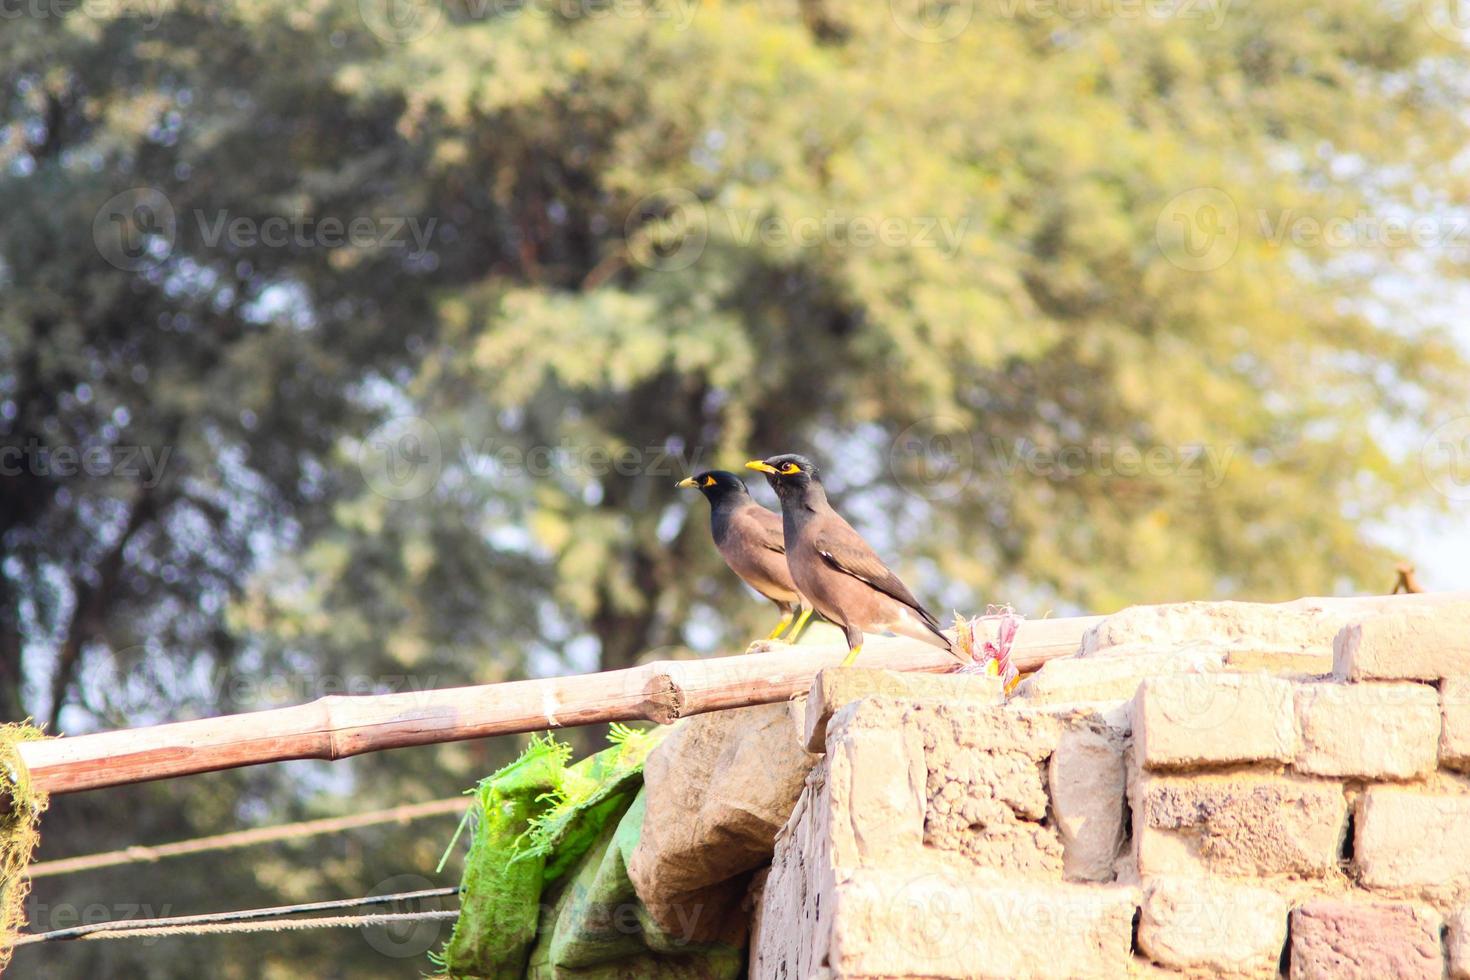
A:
{"x":531,"y":823}
{"x":500,"y":898}
{"x":598,"y":929}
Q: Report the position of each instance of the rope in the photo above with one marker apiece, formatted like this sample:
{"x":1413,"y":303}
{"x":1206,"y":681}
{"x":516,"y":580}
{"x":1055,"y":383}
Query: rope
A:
{"x":288,"y":925}
{"x":247,"y":838}
{"x":240,"y":917}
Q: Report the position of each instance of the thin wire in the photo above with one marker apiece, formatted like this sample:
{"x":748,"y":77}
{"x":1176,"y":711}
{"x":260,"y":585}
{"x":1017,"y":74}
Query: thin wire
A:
{"x":247,"y":838}
{"x":284,"y":925}
{"x":208,"y":918}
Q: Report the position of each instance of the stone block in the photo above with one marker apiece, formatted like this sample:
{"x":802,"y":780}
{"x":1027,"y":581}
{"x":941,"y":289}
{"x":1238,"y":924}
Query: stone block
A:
{"x":1424,"y":644}
{"x":1087,"y":780}
{"x":1454,"y":738}
{"x":1212,"y":926}
{"x":985,"y":786}
{"x":1239,"y":823}
{"x":839,"y":686}
{"x":1188,"y":720}
{"x":898,"y":922}
{"x":1457,"y":944}
{"x":1285,"y":661}
{"x":1367,"y":731}
{"x":1300,"y":625}
{"x":1414,"y":840}
{"x":1344,"y":940}
{"x":1108,"y":678}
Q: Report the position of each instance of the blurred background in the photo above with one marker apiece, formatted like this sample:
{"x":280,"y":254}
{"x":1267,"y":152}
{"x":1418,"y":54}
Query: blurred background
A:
{"x":352,"y":346}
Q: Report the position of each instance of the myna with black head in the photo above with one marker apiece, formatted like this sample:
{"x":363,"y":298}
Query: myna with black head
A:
{"x":836,"y":569}
{"x":750,"y":539}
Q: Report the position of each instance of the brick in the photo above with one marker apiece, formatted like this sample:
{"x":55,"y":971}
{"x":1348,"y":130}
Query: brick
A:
{"x":1457,"y":944}
{"x":1299,"y":625}
{"x":1454,"y":738}
{"x":1423,"y":645}
{"x":1239,"y":823}
{"x":1111,"y":678}
{"x":1413,"y":839}
{"x":1087,"y":780}
{"x":985,"y":786}
{"x":1207,"y":925}
{"x":1188,"y":720}
{"x":872,"y":781}
{"x":1368,"y":940}
{"x":832,"y":689}
{"x":911,"y":923}
{"x":1309,"y":663}
{"x":1367,"y":731}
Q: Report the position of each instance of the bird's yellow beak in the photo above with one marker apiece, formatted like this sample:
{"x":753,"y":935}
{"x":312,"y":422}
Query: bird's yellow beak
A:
{"x":686,"y":483}
{"x":760,"y":464}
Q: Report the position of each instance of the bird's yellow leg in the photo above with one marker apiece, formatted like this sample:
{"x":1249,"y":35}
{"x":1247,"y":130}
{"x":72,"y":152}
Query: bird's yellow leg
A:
{"x":785,"y":622}
{"x":801,"y":621}
{"x":852,"y":655}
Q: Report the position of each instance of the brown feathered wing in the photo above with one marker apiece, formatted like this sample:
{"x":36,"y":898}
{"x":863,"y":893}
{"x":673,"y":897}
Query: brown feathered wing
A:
{"x":845,"y":550}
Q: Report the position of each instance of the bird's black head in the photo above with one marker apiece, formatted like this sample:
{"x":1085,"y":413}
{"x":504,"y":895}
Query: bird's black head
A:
{"x":716,"y":485}
{"x":788,"y":474}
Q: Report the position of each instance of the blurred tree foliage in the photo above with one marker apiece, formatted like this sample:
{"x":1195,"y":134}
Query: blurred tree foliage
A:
{"x":1036,"y":281}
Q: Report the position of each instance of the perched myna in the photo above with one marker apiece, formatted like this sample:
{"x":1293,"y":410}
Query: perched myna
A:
{"x":749,"y":538}
{"x":834,"y":567}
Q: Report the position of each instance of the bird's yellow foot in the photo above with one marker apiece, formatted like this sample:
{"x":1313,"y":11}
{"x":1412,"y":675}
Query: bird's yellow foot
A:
{"x":801,"y":621}
{"x":852,"y":655}
{"x":780,"y":627}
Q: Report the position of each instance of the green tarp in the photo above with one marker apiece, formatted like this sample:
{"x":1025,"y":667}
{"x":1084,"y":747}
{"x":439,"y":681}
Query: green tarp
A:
{"x":546,"y":893}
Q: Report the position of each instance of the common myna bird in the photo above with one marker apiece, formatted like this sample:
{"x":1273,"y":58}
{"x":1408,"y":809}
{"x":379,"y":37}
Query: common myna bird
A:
{"x":836,"y":569}
{"x":749,"y":538}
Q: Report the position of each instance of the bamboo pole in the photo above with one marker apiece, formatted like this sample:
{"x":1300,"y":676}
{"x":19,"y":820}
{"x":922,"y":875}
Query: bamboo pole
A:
{"x":339,"y":726}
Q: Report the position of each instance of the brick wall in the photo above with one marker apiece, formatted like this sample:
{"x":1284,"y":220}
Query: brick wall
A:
{"x":1205,"y":790}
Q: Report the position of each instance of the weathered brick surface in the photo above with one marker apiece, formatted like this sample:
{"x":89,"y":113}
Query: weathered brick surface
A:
{"x":1454,"y":740}
{"x":1087,"y":781}
{"x":1111,"y":678}
{"x":832,"y":689}
{"x":1301,"y":625}
{"x":1187,"y":720}
{"x":1424,"y":645}
{"x":1414,"y":840}
{"x":898,"y":922}
{"x":986,"y":787}
{"x":1213,"y":926}
{"x":1457,"y":944}
{"x":1240,"y":823}
{"x":1365,"y":941}
{"x":1310,"y":663}
{"x":1367,"y":731}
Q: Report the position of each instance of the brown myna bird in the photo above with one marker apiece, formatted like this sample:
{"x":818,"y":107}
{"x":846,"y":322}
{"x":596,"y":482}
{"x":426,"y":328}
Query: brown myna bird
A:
{"x":749,"y":538}
{"x":836,"y":569}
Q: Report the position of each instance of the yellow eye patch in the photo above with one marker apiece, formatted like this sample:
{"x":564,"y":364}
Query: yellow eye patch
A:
{"x":709,"y":481}
{"x":789,"y":469}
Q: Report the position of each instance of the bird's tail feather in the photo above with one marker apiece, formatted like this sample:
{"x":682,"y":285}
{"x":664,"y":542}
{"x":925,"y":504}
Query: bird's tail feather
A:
{"x":929,"y":633}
